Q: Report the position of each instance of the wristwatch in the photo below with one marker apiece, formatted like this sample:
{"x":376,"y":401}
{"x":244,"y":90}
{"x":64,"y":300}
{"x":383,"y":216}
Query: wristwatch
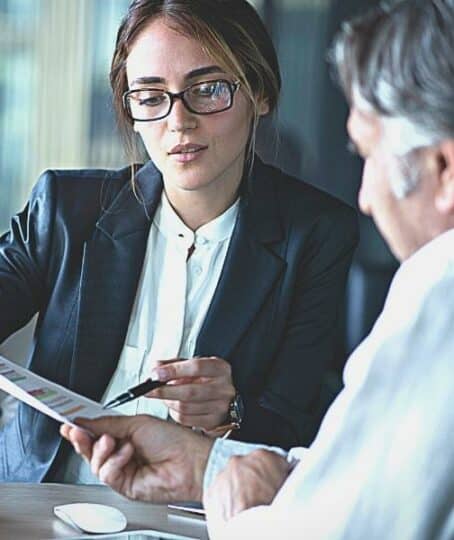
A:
{"x":235,"y":416}
{"x":236,"y":411}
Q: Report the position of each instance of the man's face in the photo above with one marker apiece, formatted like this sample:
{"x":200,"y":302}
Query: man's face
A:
{"x":403,"y":222}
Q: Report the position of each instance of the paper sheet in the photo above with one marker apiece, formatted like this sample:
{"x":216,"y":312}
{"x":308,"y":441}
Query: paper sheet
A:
{"x":47,"y":397}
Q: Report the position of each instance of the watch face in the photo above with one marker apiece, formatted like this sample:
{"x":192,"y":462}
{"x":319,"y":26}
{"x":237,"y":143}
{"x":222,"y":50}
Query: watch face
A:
{"x":237,"y":409}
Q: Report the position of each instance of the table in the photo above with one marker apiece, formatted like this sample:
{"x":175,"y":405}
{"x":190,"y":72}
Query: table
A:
{"x":26,"y":513}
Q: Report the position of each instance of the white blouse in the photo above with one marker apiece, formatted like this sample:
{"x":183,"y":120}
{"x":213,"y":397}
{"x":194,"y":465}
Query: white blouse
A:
{"x":173,"y":297}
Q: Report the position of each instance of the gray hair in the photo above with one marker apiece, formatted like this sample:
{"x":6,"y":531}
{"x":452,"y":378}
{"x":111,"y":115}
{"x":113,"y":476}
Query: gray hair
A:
{"x":399,"y":57}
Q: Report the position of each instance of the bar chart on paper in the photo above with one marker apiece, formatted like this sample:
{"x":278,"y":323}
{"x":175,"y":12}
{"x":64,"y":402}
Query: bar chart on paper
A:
{"x":47,"y":397}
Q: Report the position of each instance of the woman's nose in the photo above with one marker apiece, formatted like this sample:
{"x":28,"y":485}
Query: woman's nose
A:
{"x":180,"y":118}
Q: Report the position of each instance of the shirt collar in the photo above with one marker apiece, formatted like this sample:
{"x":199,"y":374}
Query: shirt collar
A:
{"x":439,"y":248}
{"x":172,"y":227}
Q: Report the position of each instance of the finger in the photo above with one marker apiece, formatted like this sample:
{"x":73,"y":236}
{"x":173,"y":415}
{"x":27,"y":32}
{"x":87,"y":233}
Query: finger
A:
{"x":195,"y":392}
{"x":195,"y":408}
{"x":211,"y":366}
{"x":80,"y":439}
{"x":119,"y":427}
{"x":160,"y":363}
{"x":111,"y":472}
{"x":176,"y":382}
{"x":203,"y":421}
{"x":64,"y":431}
{"x":268,"y":461}
{"x":103,"y":448}
{"x":217,"y":500}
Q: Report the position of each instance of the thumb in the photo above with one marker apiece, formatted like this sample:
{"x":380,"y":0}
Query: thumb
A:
{"x":118,"y":427}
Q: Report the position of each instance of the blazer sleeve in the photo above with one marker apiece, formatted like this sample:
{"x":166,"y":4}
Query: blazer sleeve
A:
{"x":290,"y":409}
{"x":25,"y":251}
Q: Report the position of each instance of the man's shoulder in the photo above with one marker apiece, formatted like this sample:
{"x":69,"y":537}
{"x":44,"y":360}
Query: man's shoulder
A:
{"x":430,"y":265}
{"x":421,"y":284}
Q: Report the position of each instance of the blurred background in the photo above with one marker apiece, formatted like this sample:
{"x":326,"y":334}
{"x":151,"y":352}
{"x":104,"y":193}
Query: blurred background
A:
{"x":56,"y":112}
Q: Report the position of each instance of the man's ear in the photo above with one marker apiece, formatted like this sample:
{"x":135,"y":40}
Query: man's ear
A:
{"x":444,"y":198}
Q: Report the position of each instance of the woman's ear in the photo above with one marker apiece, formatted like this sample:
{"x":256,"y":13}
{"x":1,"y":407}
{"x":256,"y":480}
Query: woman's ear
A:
{"x":444,"y":198}
{"x":263,"y":107}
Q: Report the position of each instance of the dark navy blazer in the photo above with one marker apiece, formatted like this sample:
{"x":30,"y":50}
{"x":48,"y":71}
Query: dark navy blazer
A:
{"x":75,"y":255}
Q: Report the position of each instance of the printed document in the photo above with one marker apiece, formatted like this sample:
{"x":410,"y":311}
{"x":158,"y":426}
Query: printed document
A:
{"x":47,"y":397}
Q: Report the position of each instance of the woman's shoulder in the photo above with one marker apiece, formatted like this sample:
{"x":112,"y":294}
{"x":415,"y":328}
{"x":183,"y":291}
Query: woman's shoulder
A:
{"x":83,"y":178}
{"x":80,"y":186}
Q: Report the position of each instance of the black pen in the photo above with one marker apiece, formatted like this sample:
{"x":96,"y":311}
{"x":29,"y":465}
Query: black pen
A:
{"x":133,"y":393}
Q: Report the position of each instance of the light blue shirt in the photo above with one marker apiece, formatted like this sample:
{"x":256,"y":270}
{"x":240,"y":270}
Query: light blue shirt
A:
{"x":382,"y":464}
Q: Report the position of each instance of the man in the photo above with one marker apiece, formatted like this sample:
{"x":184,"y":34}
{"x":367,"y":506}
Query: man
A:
{"x":382,"y":465}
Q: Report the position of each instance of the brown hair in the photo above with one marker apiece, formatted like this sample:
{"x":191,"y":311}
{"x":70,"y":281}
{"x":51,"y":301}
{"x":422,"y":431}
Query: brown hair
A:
{"x":230,"y":31}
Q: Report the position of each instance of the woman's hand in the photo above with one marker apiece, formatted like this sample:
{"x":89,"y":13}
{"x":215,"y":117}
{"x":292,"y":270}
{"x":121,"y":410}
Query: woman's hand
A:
{"x":199,"y":392}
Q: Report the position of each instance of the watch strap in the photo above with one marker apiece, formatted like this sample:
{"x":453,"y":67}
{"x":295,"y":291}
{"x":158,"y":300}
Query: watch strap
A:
{"x":234,"y":419}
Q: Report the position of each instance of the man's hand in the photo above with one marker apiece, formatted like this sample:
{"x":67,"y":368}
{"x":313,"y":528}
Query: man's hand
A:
{"x":142,"y":457}
{"x":200,"y":391}
{"x":247,"y":481}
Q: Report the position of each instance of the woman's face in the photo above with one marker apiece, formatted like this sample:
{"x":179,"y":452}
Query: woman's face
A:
{"x":193,"y":152}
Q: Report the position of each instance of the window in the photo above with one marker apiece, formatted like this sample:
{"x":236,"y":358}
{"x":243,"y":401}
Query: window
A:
{"x":55,"y":105}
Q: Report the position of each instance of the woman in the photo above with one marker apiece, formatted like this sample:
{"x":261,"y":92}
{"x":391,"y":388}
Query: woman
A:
{"x":203,"y":267}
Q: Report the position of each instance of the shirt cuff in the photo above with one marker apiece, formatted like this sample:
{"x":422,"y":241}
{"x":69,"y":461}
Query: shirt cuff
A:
{"x":224,"y":449}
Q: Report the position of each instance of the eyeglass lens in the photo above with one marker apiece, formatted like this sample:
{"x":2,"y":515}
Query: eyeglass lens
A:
{"x":202,"y":98}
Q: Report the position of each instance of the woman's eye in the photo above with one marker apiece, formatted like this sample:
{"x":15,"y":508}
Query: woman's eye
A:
{"x":152,"y":100}
{"x":206,"y":90}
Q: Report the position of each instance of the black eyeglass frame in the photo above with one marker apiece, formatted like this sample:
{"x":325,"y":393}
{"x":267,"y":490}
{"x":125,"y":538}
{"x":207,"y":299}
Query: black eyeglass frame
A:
{"x":233,"y":87}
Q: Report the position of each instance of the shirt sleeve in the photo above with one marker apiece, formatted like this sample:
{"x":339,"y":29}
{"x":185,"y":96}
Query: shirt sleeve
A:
{"x":25,"y":252}
{"x":259,"y":522}
{"x":391,"y":426}
{"x":224,"y":449}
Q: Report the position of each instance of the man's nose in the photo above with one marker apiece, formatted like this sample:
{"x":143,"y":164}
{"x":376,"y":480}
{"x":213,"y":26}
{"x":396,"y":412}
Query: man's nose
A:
{"x":180,"y":118}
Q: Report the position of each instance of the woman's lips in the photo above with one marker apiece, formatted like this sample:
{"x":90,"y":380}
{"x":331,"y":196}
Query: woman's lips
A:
{"x":184,"y":153}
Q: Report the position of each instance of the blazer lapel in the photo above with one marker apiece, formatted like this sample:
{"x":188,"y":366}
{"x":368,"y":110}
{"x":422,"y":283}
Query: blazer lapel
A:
{"x":111,"y":268}
{"x":251,"y":268}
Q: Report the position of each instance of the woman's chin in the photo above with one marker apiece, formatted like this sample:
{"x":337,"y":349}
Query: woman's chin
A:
{"x":186,"y":183}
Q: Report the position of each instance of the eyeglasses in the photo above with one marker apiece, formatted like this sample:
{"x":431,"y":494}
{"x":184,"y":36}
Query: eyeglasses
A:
{"x":208,"y":97}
